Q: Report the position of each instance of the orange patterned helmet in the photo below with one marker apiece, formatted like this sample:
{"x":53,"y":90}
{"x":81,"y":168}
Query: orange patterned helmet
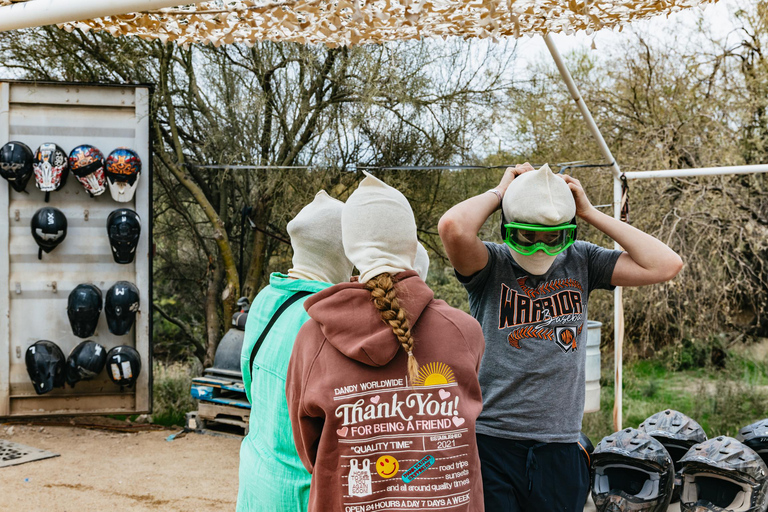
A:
{"x":122,"y":170}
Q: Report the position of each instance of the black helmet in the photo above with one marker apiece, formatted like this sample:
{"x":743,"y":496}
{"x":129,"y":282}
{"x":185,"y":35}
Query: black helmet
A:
{"x":45,"y":366}
{"x":49,"y":228}
{"x":16,"y":164}
{"x":678,"y":433}
{"x":723,"y":474}
{"x":586,"y":447}
{"x":122,"y":169}
{"x":85,"y":362}
{"x":120,"y":307}
{"x":51,"y":167}
{"x":123,"y":228}
{"x":87,"y":164}
{"x":123,"y":365}
{"x":83,"y":309}
{"x":240,"y":317}
{"x":756,"y":437}
{"x":631,"y":471}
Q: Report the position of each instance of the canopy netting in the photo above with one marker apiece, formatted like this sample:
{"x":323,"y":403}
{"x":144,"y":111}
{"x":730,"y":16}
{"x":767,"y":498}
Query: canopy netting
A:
{"x":354,"y":22}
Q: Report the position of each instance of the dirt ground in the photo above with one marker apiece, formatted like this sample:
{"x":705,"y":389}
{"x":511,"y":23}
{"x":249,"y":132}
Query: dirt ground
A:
{"x":129,"y":472}
{"x":100,"y":470}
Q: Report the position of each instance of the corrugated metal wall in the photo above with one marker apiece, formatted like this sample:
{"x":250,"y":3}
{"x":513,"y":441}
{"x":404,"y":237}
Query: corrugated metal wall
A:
{"x":33,"y":293}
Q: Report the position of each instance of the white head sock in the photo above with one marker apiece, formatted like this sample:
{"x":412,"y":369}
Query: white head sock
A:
{"x":421,"y":266}
{"x":318,"y":253}
{"x":378,"y":229}
{"x":538,"y":197}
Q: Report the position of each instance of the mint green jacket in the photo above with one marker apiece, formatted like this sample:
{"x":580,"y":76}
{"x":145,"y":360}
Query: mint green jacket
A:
{"x":272,"y":477}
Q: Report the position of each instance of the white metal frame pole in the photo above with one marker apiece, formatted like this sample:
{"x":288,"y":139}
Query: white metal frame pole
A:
{"x":618,"y":308}
{"x":702,"y":171}
{"x":36,"y":13}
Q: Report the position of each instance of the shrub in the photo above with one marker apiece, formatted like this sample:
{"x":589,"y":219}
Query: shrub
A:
{"x":171,"y":396}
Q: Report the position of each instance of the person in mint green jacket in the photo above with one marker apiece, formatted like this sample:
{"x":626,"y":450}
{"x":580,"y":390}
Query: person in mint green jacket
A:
{"x":272,"y":477}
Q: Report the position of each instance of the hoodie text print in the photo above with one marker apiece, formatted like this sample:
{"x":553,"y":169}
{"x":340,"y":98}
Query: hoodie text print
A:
{"x":360,"y":425}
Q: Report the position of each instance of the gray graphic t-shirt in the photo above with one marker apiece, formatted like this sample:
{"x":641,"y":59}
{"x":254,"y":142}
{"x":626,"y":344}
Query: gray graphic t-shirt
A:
{"x":532,"y":372}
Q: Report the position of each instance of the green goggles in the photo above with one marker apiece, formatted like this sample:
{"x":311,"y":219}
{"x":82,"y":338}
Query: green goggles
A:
{"x":526,"y":239}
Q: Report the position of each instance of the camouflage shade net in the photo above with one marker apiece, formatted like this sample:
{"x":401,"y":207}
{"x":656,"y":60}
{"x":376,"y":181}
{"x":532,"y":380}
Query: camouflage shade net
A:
{"x":353,"y":22}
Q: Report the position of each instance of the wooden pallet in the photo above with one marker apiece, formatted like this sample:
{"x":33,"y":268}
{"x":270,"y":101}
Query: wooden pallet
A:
{"x":220,"y":383}
{"x":219,"y":390}
{"x":194,"y":423}
{"x":216,"y":417}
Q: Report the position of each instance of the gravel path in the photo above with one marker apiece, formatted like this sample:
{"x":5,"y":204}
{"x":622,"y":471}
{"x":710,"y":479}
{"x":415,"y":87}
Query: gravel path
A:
{"x":100,"y":470}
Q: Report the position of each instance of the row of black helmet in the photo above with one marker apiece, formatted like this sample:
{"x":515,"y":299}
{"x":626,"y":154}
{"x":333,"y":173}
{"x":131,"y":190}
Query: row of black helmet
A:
{"x":49,"y":229}
{"x":51,"y":166}
{"x":48,"y":369}
{"x":669,"y":458}
{"x":120,"y":307}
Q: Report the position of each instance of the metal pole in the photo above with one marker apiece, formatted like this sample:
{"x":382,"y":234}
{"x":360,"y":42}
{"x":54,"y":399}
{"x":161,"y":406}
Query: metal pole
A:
{"x":702,"y":171}
{"x":618,"y":308}
{"x":576,"y":95}
{"x":36,"y":13}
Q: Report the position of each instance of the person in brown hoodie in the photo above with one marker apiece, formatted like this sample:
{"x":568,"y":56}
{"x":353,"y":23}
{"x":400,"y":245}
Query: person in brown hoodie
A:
{"x":382,"y":383}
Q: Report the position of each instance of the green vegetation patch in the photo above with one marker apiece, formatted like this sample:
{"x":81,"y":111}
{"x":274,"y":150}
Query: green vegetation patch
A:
{"x":171,"y":396}
{"x":722,"y":397}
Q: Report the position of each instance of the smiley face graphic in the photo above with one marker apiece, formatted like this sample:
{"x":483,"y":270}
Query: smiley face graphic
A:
{"x":387,"y":466}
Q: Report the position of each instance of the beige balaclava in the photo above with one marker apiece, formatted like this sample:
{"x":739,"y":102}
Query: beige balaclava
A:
{"x":538,"y":197}
{"x":378,"y":229}
{"x":421,"y":266}
{"x":318,"y":253}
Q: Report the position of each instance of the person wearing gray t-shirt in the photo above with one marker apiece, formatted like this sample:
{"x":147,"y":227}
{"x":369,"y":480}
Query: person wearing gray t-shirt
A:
{"x":530,"y":296}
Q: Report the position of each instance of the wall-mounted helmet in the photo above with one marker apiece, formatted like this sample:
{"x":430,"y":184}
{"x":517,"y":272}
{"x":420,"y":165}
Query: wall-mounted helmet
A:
{"x":722,"y":474}
{"x":123,"y":365}
{"x":85,"y":362}
{"x":678,"y":433}
{"x":87,"y":164}
{"x":45,"y":366}
{"x":756,"y":437}
{"x":631,"y":471}
{"x":49,"y":229}
{"x":123,"y":229}
{"x":51,"y":167}
{"x":120,"y":307}
{"x":123,"y":168}
{"x":16,"y":164}
{"x":83,"y":309}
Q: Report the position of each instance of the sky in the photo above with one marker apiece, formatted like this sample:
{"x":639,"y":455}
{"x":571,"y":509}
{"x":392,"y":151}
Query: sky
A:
{"x":716,"y":16}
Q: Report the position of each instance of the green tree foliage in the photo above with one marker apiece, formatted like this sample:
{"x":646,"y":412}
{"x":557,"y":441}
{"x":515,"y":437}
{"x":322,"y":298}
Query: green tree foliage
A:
{"x":670,"y":103}
{"x":311,"y":112}
{"x":690,"y":101}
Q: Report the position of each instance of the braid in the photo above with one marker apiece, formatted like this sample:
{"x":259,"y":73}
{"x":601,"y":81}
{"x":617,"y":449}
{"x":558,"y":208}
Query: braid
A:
{"x":384,"y":298}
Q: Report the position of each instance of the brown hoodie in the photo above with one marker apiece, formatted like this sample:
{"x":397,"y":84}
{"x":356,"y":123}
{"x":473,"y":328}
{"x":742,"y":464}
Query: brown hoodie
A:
{"x":359,"y":425}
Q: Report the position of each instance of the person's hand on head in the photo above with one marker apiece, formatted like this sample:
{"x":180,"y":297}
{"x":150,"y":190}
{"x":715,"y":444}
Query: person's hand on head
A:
{"x":511,"y":173}
{"x":583,"y":206}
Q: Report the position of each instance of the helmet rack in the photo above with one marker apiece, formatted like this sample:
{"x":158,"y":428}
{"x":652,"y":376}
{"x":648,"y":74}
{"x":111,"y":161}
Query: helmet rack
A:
{"x":34,"y":293}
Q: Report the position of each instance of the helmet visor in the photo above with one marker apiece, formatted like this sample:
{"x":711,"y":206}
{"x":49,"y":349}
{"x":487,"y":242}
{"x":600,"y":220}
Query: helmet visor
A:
{"x":526,"y":239}
{"x":719,"y":490}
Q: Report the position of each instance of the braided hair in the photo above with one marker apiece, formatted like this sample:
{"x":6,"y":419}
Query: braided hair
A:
{"x":384,"y":297}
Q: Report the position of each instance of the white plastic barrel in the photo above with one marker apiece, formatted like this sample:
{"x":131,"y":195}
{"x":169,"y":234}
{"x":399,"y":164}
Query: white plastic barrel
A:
{"x":592,"y":374}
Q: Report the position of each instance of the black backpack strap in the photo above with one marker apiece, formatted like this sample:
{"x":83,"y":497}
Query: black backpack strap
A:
{"x":285,"y":305}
